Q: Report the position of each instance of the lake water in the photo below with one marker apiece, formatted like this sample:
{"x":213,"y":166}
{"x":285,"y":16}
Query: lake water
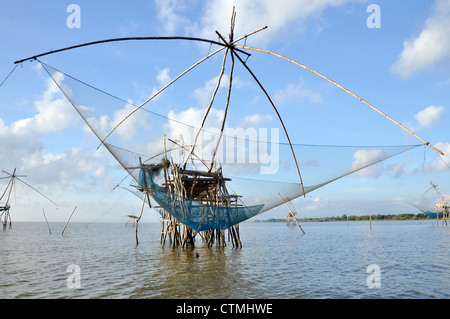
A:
{"x":277,"y":261}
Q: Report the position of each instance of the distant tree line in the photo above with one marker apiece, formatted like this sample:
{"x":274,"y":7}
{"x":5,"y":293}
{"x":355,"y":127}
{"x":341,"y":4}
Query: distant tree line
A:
{"x":344,"y":217}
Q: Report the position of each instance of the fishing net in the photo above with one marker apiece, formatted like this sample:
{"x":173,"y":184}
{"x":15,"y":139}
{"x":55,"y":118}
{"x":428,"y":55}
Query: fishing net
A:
{"x":434,"y":202}
{"x":205,"y":176}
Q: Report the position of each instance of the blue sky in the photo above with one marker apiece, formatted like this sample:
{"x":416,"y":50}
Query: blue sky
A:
{"x":402,"y":68}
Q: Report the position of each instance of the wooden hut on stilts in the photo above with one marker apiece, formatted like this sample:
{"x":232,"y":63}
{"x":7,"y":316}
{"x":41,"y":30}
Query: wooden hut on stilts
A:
{"x":200,"y":186}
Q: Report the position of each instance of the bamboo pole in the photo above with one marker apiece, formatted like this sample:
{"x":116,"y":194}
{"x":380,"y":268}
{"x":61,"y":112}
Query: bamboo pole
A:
{"x":46,"y":221}
{"x":115,"y":40}
{"x":238,"y":237}
{"x":62,"y":233}
{"x":102,"y":141}
{"x":342,"y":88}
{"x":292,"y":213}
{"x":137,"y":221}
{"x":437,"y":218}
{"x":225,"y":112}
{"x":209,"y":107}
{"x":179,"y":76}
{"x":276,"y":111}
{"x":233,"y":17}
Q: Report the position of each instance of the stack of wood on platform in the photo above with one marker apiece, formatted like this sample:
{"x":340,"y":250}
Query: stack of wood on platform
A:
{"x":208,"y":188}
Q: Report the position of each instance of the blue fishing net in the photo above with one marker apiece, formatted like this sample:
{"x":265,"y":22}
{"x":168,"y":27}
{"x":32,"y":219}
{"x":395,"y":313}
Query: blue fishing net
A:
{"x":259,"y":168}
{"x":195,"y":214}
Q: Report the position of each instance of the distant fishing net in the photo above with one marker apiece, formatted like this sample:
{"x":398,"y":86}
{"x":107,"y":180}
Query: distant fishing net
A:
{"x":434,"y":202}
{"x":229,"y":176}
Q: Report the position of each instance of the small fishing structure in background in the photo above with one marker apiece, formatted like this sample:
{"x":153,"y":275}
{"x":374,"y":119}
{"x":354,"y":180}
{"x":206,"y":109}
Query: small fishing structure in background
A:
{"x":291,"y":216}
{"x":437,"y":207}
{"x":5,"y":215}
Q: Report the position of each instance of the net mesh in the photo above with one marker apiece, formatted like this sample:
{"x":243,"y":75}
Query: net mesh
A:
{"x":249,"y":170}
{"x":434,"y":202}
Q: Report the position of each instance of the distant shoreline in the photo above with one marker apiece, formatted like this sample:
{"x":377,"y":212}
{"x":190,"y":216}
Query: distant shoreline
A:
{"x":344,"y":217}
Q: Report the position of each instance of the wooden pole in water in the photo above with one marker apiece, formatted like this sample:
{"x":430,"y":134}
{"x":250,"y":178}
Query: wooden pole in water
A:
{"x":137,"y":222}
{"x":370,"y":221}
{"x":292,"y":213}
{"x":68,"y":220}
{"x":46,"y":221}
{"x":342,"y":88}
{"x":437,"y":218}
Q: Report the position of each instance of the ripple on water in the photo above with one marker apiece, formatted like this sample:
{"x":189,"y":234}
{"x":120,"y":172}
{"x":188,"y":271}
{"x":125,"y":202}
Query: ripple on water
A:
{"x":276,"y":261}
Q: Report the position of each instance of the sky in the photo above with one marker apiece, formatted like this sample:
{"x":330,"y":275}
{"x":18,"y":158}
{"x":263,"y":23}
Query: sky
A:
{"x":393,"y":54}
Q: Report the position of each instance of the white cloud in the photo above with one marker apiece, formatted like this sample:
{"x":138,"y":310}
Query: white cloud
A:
{"x":104,"y":123}
{"x":169,"y":16}
{"x":395,"y":170}
{"x":54,"y":112}
{"x":430,"y":116}
{"x":427,"y":118}
{"x":203,"y":94}
{"x":129,"y":27}
{"x":163,"y":76}
{"x":431,"y":47}
{"x":30,"y":149}
{"x":365,"y":158}
{"x":129,"y":128}
{"x":23,"y":138}
{"x":193,"y":117}
{"x":315,"y":204}
{"x":279,"y":16}
{"x":251,"y":155}
{"x":441,"y":163}
{"x":254,"y":120}
{"x":444,"y":84}
{"x":296,"y":93}
{"x":369,"y":164}
{"x":146,"y":91}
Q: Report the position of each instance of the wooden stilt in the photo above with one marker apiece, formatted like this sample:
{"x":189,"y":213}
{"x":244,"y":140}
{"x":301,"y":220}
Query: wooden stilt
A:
{"x":137,"y":222}
{"x":292,"y":214}
{"x":46,"y":221}
{"x":62,"y":233}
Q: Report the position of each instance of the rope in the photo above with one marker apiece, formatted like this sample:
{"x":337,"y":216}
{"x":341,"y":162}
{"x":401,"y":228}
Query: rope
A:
{"x":207,"y":131}
{"x":345,"y":90}
{"x":9,"y":74}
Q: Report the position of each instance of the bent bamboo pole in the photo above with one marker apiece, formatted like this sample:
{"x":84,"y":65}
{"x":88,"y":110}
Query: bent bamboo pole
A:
{"x":46,"y":221}
{"x":342,"y":88}
{"x":219,"y":79}
{"x":179,"y":76}
{"x":73,"y":211}
{"x":291,"y":213}
{"x":102,"y":141}
{"x":278,"y":114}
{"x":34,"y":57}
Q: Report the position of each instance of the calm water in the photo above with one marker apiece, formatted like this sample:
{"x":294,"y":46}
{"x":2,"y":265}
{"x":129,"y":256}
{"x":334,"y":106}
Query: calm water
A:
{"x":276,"y":261}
